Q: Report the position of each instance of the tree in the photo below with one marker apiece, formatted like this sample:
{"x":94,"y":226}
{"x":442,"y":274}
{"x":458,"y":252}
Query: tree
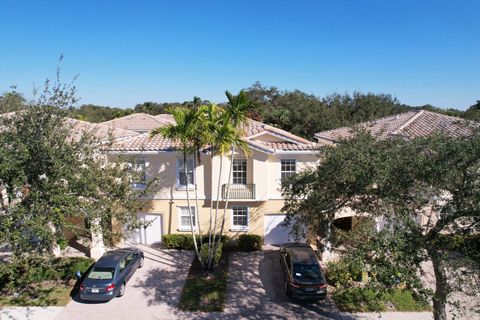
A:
{"x":186,"y":130}
{"x":12,"y":101}
{"x":50,"y":173}
{"x":436,"y":178}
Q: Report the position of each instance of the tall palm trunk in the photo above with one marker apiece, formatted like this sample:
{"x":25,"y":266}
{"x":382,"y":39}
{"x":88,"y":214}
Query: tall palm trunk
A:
{"x":212,"y":247}
{"x":227,"y":195}
{"x":197,"y":210}
{"x":187,"y":181}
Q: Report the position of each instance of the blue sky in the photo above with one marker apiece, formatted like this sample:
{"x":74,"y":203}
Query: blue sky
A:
{"x":128,"y":52}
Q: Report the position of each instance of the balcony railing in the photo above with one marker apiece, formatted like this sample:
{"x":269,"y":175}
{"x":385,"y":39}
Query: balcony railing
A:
{"x":239,"y":191}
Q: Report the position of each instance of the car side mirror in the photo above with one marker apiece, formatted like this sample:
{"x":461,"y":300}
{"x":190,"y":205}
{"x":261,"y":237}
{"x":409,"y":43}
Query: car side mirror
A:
{"x":78,"y":274}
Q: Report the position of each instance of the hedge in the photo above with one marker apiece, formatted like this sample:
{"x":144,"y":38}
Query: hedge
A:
{"x":245,"y":242}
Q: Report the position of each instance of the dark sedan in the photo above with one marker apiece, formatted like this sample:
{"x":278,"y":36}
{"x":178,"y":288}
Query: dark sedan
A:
{"x":302,"y":273}
{"x":108,"y":277}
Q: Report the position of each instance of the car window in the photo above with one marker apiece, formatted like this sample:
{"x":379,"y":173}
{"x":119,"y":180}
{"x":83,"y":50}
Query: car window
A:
{"x":307,"y":271}
{"x":125,"y":261}
{"x":100,"y":273}
{"x":129,"y":258}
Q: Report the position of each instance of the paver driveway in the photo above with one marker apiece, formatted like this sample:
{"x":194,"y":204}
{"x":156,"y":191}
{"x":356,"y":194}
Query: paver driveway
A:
{"x":255,"y":291}
{"x":152,"y":293}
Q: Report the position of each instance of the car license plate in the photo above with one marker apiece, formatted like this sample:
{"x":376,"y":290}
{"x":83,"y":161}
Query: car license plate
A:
{"x":310,"y":289}
{"x":94,"y":290}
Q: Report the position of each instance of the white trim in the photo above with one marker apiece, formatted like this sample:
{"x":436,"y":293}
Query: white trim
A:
{"x":186,"y":228}
{"x":273,"y":135}
{"x":298,"y":152}
{"x":141,"y":152}
{"x":239,"y":228}
{"x":179,"y":186}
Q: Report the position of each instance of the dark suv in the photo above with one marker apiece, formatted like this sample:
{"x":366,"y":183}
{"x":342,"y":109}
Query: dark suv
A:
{"x":303,"y":275}
{"x":107,"y":278}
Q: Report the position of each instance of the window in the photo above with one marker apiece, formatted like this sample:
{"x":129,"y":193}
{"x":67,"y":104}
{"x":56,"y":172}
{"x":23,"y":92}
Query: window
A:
{"x":138,"y":168}
{"x":240,"y":218}
{"x":185,"y":219}
{"x":288,"y":168}
{"x":239,"y":171}
{"x":181,"y":179}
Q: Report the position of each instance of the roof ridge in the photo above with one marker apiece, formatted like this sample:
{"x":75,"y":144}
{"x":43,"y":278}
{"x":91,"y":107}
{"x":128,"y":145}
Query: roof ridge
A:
{"x":130,"y":115}
{"x":408,"y":122}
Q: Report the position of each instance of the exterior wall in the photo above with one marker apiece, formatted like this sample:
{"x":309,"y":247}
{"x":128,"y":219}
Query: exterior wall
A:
{"x":171,"y":215}
{"x":263,"y":170}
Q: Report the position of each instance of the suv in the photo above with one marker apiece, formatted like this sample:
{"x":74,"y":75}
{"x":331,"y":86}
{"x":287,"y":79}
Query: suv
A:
{"x":303,"y":275}
{"x":107,"y":278}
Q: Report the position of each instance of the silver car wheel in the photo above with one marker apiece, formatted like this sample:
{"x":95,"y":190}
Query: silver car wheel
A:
{"x":122,"y":290}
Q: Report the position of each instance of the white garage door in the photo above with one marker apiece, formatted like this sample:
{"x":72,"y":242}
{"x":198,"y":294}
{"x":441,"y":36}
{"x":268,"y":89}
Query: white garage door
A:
{"x":275,"y":231}
{"x":150,"y":234}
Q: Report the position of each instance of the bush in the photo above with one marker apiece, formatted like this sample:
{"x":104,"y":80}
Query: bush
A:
{"x":216,"y":256}
{"x":249,"y":242}
{"x":359,"y":299}
{"x":343,"y":272}
{"x":405,"y":300}
{"x":21,"y":271}
{"x":185,"y":241}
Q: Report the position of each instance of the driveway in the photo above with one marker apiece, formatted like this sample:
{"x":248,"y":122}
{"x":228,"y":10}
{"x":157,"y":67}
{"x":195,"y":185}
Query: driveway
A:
{"x":255,"y":291}
{"x":152,"y":293}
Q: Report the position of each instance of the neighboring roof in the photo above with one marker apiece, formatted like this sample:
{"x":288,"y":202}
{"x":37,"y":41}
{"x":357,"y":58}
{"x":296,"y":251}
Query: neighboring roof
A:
{"x":100,"y":131}
{"x":257,"y":135}
{"x":139,"y":122}
{"x":410,"y":125}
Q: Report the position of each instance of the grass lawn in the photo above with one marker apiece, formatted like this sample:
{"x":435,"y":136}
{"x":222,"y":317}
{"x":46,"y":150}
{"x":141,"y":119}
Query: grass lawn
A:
{"x":47,"y":293}
{"x":205,"y":291}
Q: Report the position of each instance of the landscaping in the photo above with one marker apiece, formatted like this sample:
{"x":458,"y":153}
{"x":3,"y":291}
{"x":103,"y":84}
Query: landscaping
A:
{"x":39,"y":281}
{"x":206,"y":290}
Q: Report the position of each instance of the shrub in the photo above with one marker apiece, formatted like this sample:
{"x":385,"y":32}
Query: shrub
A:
{"x":405,"y":300}
{"x":185,"y":241}
{"x":343,"y":272}
{"x":359,"y":299}
{"x":216,"y":256}
{"x":249,"y":242}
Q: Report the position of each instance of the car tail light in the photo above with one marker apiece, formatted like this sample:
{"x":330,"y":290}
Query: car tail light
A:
{"x":110,"y":287}
{"x":324,"y":285}
{"x":82,"y":287}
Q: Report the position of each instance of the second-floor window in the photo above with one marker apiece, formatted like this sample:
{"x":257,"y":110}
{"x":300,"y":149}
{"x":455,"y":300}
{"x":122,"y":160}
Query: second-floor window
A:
{"x":139,"y":170}
{"x":239,"y":171}
{"x":181,"y":169}
{"x":289,"y":167}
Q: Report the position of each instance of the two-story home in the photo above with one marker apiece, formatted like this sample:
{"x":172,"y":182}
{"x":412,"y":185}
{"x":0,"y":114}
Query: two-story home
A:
{"x":255,"y":200}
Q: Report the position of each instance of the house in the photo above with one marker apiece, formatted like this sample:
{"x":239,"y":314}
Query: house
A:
{"x":255,"y":201}
{"x":408,"y":125}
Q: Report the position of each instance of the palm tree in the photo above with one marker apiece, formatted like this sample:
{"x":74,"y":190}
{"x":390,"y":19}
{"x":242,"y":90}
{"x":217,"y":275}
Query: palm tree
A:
{"x":236,"y":114}
{"x":185,"y":130}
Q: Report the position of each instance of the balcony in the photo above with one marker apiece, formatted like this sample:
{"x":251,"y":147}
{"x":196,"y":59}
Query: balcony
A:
{"x":239,"y":191}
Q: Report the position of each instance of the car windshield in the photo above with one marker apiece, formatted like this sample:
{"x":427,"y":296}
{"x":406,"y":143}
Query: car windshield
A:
{"x":307,"y":271}
{"x":101,"y":273}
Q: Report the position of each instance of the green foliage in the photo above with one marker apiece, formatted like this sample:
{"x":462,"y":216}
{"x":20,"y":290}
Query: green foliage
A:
{"x":399,"y":180}
{"x":344,"y":272}
{"x":204,"y":252}
{"x":51,"y":171}
{"x":185,"y":241}
{"x":356,"y":299}
{"x":12,"y":101}
{"x":96,"y":114}
{"x":405,"y":300}
{"x":249,"y":242}
{"x":25,"y":270}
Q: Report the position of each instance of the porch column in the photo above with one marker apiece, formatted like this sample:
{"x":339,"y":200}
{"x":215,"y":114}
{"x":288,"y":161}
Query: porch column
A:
{"x":97,"y":248}
{"x":55,"y":247}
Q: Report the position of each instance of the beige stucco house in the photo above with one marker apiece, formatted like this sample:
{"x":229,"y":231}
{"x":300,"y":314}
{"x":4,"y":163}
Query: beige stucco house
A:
{"x":255,"y":204}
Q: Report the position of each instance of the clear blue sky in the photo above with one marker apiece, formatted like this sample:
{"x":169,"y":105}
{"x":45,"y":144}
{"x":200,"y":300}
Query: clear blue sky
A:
{"x":128,"y":52}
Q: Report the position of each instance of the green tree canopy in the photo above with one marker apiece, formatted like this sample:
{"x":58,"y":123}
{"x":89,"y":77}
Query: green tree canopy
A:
{"x":437,"y":178}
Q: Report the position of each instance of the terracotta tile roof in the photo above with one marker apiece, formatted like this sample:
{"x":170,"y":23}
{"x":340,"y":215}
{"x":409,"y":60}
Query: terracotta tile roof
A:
{"x":139,"y":122}
{"x":281,"y":140}
{"x":411,"y":124}
{"x":78,"y":127}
